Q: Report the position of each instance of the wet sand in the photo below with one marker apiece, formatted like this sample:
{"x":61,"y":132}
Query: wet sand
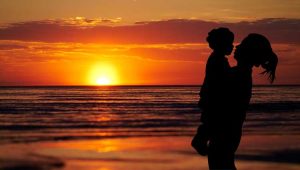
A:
{"x":266,"y":152}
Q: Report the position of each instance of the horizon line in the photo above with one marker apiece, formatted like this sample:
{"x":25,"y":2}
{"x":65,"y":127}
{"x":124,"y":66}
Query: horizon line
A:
{"x":134,"y":85}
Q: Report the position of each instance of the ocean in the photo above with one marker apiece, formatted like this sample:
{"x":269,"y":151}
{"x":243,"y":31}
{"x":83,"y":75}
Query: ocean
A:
{"x":31,"y":114}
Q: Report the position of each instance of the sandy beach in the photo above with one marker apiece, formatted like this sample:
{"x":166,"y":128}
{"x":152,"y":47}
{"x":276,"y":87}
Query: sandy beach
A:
{"x":266,"y":152}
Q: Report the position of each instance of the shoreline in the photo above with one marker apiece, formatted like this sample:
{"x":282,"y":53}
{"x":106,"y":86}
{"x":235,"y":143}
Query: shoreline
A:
{"x":281,"y":152}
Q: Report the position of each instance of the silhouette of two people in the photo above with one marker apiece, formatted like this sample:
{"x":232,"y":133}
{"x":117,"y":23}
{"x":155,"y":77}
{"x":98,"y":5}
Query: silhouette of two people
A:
{"x":226,"y":93}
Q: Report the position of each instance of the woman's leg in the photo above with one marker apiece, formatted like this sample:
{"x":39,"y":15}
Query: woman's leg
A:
{"x":223,"y":144}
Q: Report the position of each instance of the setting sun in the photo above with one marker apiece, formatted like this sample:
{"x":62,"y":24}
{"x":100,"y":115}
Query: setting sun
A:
{"x":103,"y":81}
{"x":103,"y":74}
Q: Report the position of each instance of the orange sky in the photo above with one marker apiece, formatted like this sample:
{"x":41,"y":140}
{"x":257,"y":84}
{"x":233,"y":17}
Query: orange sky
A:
{"x":134,"y":42}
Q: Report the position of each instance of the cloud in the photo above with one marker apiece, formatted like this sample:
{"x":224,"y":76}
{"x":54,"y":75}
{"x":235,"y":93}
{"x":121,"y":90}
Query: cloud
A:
{"x":82,"y":30}
{"x":20,"y":51}
{"x":85,"y":22}
{"x":15,"y":51}
{"x":11,"y":47}
{"x":183,"y":54}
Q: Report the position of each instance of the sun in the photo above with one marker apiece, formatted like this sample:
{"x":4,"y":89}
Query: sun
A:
{"x":103,"y":74}
{"x":103,"y":81}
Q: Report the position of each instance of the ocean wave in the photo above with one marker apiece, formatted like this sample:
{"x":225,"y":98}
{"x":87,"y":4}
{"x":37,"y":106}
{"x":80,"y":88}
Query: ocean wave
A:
{"x":281,"y":106}
{"x":62,"y":113}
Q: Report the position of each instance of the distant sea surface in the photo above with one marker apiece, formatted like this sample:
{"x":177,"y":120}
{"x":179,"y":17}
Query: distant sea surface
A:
{"x":29,"y":114}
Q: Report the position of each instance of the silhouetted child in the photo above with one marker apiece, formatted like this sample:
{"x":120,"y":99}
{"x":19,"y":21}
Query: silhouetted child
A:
{"x":211,"y":95}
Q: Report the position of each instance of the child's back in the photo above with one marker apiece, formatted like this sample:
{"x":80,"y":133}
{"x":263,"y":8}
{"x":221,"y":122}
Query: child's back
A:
{"x":216,"y":72}
{"x":213,"y":88}
{"x":217,"y":67}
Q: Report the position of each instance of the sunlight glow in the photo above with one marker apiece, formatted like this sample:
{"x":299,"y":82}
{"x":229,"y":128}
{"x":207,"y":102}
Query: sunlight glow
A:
{"x":103,"y":74}
{"x":103,"y":81}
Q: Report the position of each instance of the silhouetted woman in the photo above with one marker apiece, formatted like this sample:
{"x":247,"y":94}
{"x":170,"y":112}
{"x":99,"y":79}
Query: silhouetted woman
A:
{"x":226,"y":128}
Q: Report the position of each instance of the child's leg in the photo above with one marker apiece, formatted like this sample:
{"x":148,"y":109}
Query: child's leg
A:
{"x":200,"y":140}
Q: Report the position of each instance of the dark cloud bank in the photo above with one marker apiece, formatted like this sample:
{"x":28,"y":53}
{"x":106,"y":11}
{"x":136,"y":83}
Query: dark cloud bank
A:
{"x":167,"y":31}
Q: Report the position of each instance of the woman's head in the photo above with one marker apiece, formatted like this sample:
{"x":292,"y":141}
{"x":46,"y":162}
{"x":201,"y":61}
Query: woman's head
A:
{"x":256,"y":50}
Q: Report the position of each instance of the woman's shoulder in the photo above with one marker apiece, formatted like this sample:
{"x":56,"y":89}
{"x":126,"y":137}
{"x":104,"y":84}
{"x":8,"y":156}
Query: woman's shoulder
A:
{"x":240,"y":70}
{"x":239,"y":75}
